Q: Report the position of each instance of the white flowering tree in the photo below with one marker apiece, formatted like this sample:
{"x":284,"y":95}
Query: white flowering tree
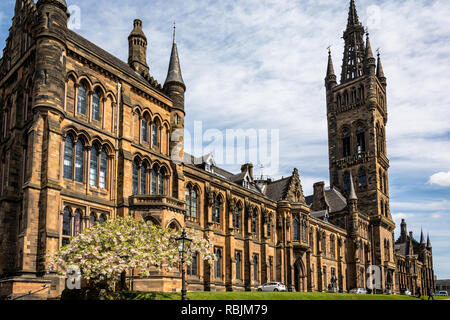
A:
{"x":105,"y":251}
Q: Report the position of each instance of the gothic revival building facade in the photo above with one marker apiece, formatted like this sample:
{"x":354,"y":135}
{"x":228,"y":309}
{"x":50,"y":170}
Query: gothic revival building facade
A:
{"x":85,"y":137}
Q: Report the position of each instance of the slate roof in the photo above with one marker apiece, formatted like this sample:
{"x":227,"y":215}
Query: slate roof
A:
{"x":334,"y":198}
{"x":110,"y":59}
{"x":277,"y":190}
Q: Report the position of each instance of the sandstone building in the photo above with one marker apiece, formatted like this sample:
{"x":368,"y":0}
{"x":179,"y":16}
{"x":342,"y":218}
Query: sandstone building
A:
{"x":85,"y":137}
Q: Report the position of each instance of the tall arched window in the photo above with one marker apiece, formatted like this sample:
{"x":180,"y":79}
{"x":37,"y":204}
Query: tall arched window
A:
{"x":218,"y":263}
{"x":103,"y":169}
{"x":79,"y":161}
{"x":96,"y":106}
{"x":68,"y":158}
{"x":66,"y":222}
{"x":154,"y":181}
{"x":77,"y":223}
{"x":332,"y":246}
{"x":144,"y":129}
{"x":194,"y":204}
{"x":154,"y":135}
{"x":135,"y":177}
{"x":144,"y":178}
{"x":237,"y":216}
{"x":216,"y":210}
{"x":102,"y":218}
{"x":161,"y":181}
{"x":346,"y":151}
{"x":187,"y":198}
{"x":296,"y":230}
{"x":82,"y":99}
{"x":255,"y":222}
{"x":361,"y":140}
{"x":238,"y":265}
{"x":362,"y":178}
{"x":255,"y":267}
{"x":92,"y":219}
{"x":347,"y":181}
{"x":93,"y":167}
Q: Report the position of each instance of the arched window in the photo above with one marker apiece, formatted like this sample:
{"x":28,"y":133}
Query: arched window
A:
{"x":218,"y":263}
{"x":154,"y":135}
{"x":238,"y":265}
{"x":93,"y":167}
{"x":135,"y":177}
{"x":296,"y":230}
{"x":144,"y":129}
{"x":192,"y":269}
{"x":194,"y":204}
{"x":92,"y":219}
{"x":96,"y":106}
{"x":361,"y":140}
{"x":102,"y":218}
{"x":386,"y":210}
{"x":382,"y":208}
{"x":347,"y":181}
{"x":77,"y":223}
{"x":216,"y":210}
{"x":144,"y":178}
{"x":237,"y":216}
{"x":346,"y":151}
{"x":66,"y":226}
{"x":103,"y":169}
{"x":187,"y":197}
{"x":255,"y":222}
{"x":255,"y":267}
{"x":362,"y":178}
{"x":332,"y":246}
{"x":79,"y":161}
{"x":68,"y":158}
{"x":381,"y":181}
{"x":154,"y":181}
{"x":161,"y":181}
{"x":82,"y":99}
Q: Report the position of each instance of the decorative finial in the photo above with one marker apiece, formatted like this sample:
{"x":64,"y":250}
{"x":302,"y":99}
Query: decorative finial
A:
{"x":366,"y":30}
{"x":329,"y":49}
{"x":378,"y":51}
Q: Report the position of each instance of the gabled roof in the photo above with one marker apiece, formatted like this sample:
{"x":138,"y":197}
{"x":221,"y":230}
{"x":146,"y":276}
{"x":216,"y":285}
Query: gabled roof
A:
{"x":336,"y":201}
{"x":277,"y":190}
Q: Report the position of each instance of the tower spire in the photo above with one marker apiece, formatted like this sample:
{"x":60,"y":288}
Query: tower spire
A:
{"x":352,"y":195}
{"x":354,"y":53}
{"x":174,"y":73}
{"x":422,"y":238}
{"x":369,"y":60}
{"x":380,"y":72}
{"x":428,"y":242}
{"x":330,"y":79}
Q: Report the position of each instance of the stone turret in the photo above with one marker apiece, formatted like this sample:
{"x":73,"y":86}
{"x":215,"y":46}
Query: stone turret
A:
{"x":137,"y":49}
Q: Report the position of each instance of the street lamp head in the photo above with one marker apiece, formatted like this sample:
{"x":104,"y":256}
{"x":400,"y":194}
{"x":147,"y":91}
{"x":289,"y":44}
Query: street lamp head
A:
{"x":184,"y":243}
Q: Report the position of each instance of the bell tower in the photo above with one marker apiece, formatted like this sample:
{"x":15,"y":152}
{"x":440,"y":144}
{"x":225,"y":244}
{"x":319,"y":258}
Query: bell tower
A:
{"x":357,"y":118}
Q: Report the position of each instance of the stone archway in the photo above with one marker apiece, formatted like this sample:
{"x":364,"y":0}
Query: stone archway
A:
{"x":299,"y":276}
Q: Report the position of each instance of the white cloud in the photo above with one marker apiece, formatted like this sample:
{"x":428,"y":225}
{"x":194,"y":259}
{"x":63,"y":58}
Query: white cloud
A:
{"x":441,"y":179}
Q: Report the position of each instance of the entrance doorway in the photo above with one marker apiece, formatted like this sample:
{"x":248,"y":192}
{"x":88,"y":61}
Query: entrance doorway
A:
{"x":299,"y":276}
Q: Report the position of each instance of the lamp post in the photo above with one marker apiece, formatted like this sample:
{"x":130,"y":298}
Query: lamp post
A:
{"x":184,"y":244}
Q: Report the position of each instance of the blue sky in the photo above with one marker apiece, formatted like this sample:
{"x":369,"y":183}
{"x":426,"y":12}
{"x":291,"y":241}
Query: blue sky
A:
{"x":261,"y":64}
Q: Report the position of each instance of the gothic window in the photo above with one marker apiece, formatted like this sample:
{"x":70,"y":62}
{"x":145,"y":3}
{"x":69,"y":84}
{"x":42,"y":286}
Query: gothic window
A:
{"x":386,"y":209}
{"x":255,"y":267}
{"x":296,"y":230}
{"x":68,"y":158}
{"x":362,"y":178}
{"x":93,"y":167}
{"x":102,"y":218}
{"x":77,"y":223}
{"x":79,"y":161}
{"x":154,"y":181}
{"x":92,"y":219}
{"x":382,"y":208}
{"x":66,"y":226}
{"x":154,"y":135}
{"x":381,"y":181}
{"x":255,"y":222}
{"x":346,"y":98}
{"x":191,"y":196}
{"x":218,"y":253}
{"x":237,"y":216}
{"x":143,"y":178}
{"x":332,"y":246}
{"x":103,"y":169}
{"x":238,"y":265}
{"x":161,"y":181}
{"x":194,"y":204}
{"x":135,"y":177}
{"x":192,"y":269}
{"x":217,"y":210}
{"x":361,"y":140}
{"x":347,"y":181}
{"x":144,"y":130}
{"x":96,"y":106}
{"x":82,"y":99}
{"x":346,"y":143}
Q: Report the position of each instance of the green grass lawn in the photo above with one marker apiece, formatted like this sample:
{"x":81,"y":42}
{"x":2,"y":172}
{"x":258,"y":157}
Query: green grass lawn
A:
{"x":262,"y":296}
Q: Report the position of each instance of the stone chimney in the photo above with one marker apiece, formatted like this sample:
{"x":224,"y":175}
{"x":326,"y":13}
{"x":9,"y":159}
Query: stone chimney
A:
{"x":319,"y":203}
{"x":248,"y":167}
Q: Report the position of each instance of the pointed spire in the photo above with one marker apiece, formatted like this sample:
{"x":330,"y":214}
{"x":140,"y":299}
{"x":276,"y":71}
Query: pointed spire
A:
{"x":174,"y":73}
{"x":428,"y":242}
{"x":369,"y":60}
{"x":422,"y":238}
{"x":353,"y":19}
{"x":380,"y":72}
{"x":352,"y":195}
{"x":331,"y":76}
